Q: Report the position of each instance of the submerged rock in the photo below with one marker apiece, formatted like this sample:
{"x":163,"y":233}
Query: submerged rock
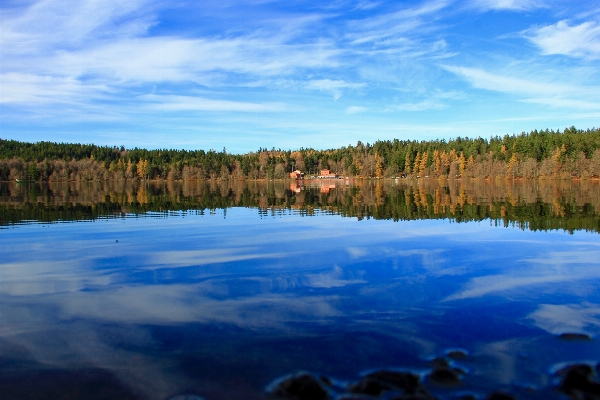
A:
{"x":467,"y":397}
{"x":575,"y":336}
{"x":406,"y":381}
{"x":370,"y":386}
{"x":578,"y":382}
{"x":440,"y":362}
{"x":498,"y":395}
{"x":457,"y":354}
{"x":301,"y":386}
{"x":444,"y":377}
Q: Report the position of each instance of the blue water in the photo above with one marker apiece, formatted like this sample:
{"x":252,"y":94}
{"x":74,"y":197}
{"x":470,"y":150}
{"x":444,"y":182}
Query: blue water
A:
{"x":222,"y":304}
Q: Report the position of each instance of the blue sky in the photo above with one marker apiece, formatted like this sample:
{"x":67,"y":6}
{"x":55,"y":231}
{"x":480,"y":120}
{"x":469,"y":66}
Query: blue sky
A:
{"x":290,"y":74}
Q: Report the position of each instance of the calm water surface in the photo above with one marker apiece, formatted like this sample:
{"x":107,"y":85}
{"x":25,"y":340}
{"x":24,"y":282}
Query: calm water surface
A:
{"x":220,"y":302}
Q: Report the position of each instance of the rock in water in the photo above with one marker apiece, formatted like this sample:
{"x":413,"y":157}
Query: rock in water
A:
{"x":575,"y":336}
{"x":300,"y":387}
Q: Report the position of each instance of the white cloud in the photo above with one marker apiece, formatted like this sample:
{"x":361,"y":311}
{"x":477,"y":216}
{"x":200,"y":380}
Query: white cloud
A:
{"x":30,"y":88}
{"x":551,"y":93}
{"x":334,"y":86}
{"x":399,"y":30}
{"x":581,"y":40}
{"x":565,"y":103}
{"x":191,"y":103}
{"x":355,"y":109}
{"x":420,"y":106}
{"x":48,"y":24}
{"x":514,"y":5}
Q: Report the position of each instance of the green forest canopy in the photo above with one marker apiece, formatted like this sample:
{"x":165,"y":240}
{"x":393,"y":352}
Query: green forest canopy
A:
{"x":570,"y":153}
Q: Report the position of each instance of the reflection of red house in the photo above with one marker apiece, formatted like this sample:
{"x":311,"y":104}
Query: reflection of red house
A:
{"x":297,"y":174}
{"x":296,"y":188}
{"x":325,"y":188}
{"x":327,"y":174}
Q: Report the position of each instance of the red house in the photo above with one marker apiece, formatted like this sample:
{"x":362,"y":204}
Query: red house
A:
{"x":327,"y":174}
{"x":297,"y":174}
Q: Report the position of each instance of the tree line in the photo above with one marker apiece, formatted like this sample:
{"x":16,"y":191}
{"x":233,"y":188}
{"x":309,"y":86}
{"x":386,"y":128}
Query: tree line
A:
{"x":571,"y":153}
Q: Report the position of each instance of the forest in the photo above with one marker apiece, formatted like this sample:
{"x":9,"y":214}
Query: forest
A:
{"x":567,"y":154}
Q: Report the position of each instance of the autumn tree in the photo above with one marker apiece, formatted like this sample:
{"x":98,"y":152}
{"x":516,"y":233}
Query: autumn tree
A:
{"x":378,"y":166}
{"x":407,"y":164}
{"x":417,"y":164}
{"x":423,"y":164}
{"x":462,"y":163}
{"x":142,"y":169}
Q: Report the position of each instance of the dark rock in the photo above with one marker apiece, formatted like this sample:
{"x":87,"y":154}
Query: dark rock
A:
{"x":420,"y":394}
{"x":370,"y":386}
{"x":497,"y":395}
{"x":326,"y":380}
{"x":457,"y":354}
{"x":575,"y":336}
{"x":406,"y":381}
{"x":577,"y":379}
{"x":467,"y":397}
{"x":301,"y":387}
{"x":584,"y":370}
{"x":444,"y":376}
{"x":440,"y":362}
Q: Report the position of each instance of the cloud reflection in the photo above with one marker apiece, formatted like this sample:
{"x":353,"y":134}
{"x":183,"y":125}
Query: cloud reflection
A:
{"x":561,"y":318}
{"x":550,"y":268}
{"x":203,"y":257}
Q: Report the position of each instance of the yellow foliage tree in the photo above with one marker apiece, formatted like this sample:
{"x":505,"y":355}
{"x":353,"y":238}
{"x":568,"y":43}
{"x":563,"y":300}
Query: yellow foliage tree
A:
{"x":511,"y":164}
{"x":462,"y":163}
{"x":378,"y":166}
{"x":407,"y":164}
{"x":417,"y":163}
{"x":423,"y":165}
{"x":142,"y":169}
{"x":437,"y":162}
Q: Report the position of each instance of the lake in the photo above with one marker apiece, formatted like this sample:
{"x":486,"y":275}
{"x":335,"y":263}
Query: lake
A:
{"x":254,"y":290}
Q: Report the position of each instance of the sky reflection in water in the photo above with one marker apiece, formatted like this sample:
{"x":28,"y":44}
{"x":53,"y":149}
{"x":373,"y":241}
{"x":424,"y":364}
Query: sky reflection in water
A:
{"x":220,"y":305}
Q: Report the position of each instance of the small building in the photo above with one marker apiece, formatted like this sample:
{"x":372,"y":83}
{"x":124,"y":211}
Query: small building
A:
{"x":327,"y":174}
{"x":297,"y":174}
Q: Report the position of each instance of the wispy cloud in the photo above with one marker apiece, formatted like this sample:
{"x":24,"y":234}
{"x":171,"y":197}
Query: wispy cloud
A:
{"x":31,"y":88}
{"x":514,"y":5}
{"x":355,"y":109}
{"x":49,"y":24}
{"x":191,"y":103}
{"x":420,"y":106}
{"x":552,"y":93}
{"x":581,"y":40}
{"x":400,"y":31}
{"x":120,"y":62}
{"x":336,"y":87}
